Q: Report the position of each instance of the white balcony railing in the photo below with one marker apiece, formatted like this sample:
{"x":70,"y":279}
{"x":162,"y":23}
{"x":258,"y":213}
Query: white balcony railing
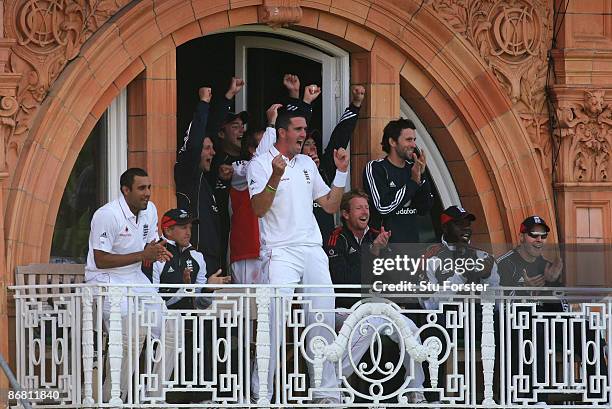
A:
{"x":75,"y":342}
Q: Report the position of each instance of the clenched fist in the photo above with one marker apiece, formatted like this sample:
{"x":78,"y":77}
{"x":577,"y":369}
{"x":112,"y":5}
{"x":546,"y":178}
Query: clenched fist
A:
{"x":278,"y":165}
{"x":357,"y":95}
{"x":341,"y":159}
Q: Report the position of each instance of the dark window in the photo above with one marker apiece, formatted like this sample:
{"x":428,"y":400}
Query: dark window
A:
{"x":82,"y":196}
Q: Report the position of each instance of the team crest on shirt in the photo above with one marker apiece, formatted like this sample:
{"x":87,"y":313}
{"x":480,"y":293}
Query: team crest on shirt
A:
{"x":307,"y":176}
{"x":145,"y":231}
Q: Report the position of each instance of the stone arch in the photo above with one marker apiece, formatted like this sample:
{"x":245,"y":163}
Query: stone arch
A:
{"x":466,"y":110}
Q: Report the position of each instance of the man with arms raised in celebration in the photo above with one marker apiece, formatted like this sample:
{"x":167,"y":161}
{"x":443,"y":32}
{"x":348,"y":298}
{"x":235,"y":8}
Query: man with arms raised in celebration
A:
{"x":282,"y":184}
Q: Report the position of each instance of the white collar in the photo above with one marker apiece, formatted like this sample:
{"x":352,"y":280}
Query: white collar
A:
{"x":364,"y":233}
{"x":127,"y":212}
{"x":275,"y":152}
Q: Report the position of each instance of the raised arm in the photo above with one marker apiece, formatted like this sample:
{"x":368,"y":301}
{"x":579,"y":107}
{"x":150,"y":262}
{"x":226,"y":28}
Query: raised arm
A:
{"x":222,"y":106}
{"x":262,"y":188}
{"x":188,"y":158}
{"x":341,"y":135}
{"x":331,"y":201}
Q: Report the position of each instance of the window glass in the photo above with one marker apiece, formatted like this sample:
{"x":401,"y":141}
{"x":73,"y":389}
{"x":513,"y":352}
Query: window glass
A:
{"x":83,"y":194}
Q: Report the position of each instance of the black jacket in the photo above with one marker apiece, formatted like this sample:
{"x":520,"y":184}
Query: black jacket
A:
{"x":346,"y":256}
{"x":171,"y":272}
{"x":193,"y":192}
{"x":396,"y":199}
{"x":340,"y":138}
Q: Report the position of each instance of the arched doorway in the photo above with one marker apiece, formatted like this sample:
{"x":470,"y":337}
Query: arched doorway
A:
{"x":392,"y":52}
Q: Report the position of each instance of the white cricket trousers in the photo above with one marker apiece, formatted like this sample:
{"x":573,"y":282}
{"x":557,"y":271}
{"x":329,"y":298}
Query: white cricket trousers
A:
{"x":300,"y":265}
{"x":362,"y":341}
{"x":246,"y":271}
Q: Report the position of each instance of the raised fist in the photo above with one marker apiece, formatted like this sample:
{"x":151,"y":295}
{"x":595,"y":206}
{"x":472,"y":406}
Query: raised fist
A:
{"x":357,"y":95}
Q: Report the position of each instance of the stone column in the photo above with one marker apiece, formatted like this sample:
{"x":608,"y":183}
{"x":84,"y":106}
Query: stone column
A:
{"x":8,"y":112}
{"x":583,"y":99}
{"x":152,"y":126}
{"x":378,"y":70}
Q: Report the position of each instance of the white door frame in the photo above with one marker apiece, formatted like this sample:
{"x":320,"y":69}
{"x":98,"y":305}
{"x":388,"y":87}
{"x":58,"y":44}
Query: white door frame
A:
{"x":435,"y":162}
{"x":334,"y":73}
{"x":116,"y":144}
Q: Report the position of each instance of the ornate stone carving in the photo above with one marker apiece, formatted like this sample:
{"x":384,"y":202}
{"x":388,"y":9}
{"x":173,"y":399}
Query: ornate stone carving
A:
{"x":48,"y":33}
{"x":512,"y":36}
{"x":587,"y":128}
{"x":280,"y":13}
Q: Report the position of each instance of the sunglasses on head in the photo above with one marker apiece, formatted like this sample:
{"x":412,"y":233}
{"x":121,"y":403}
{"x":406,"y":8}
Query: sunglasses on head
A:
{"x":535,"y":235}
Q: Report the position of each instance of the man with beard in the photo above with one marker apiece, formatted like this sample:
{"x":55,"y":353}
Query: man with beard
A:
{"x":193,"y":192}
{"x":282,"y":184}
{"x":397,"y":184}
{"x":122,"y":239}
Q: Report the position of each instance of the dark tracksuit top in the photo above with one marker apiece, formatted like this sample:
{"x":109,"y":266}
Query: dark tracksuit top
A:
{"x":194,"y":194}
{"x":511,"y":266}
{"x":345,"y":260}
{"x":396,"y":199}
{"x":171,"y":272}
{"x":340,"y":138}
{"x":219,"y":108}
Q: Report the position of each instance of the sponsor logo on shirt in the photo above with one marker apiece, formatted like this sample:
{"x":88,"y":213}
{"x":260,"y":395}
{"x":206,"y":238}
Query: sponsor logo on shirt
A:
{"x":103,"y":238}
{"x":145,"y":231}
{"x":189,"y":264}
{"x":406,"y":210}
{"x":352,"y":250}
{"x":251,"y":182}
{"x":125,"y":232}
{"x":171,"y":270}
{"x":315,"y":204}
{"x":392,"y":184}
{"x":307,"y":176}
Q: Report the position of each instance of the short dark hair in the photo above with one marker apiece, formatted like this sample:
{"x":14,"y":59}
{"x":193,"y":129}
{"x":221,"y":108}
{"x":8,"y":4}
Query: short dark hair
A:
{"x":249,"y":141}
{"x":284,"y":118}
{"x":127,"y":177}
{"x":345,"y":203}
{"x":393,"y":130}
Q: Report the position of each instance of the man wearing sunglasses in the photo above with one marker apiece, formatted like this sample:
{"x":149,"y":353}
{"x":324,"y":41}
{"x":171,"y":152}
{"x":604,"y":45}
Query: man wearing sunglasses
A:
{"x":525,"y":265}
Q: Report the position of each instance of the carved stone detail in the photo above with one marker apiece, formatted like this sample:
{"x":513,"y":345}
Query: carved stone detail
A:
{"x":587,"y":128}
{"x":48,"y":33}
{"x":512,"y":37}
{"x":280,"y":13}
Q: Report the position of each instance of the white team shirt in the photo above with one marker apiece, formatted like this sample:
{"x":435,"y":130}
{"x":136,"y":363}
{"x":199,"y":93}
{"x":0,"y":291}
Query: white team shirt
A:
{"x":290,"y":220}
{"x":114,"y":230}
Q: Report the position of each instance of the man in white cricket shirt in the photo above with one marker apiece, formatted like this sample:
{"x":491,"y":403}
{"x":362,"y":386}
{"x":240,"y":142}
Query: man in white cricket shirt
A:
{"x":282,"y":185}
{"x":123,"y":236}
